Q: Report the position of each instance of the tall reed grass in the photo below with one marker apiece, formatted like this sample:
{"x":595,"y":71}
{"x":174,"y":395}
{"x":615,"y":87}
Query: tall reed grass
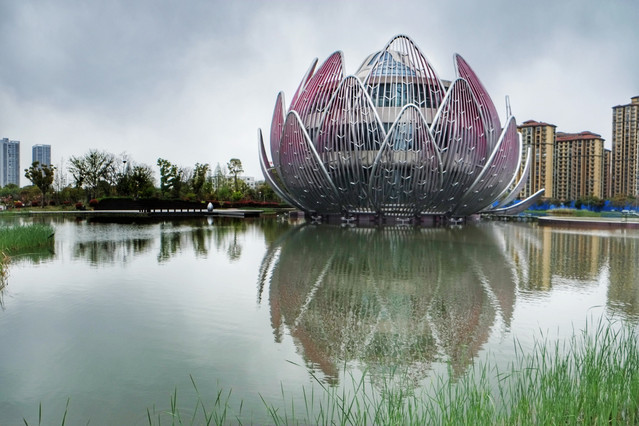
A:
{"x":18,"y":238}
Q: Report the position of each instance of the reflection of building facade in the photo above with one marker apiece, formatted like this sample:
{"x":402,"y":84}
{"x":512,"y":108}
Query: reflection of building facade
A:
{"x":623,"y":293}
{"x":540,"y":138}
{"x":625,"y":148}
{"x":579,"y":166}
{"x":9,"y":162}
{"x":391,"y":141}
{"x":387,"y":296}
{"x":545,"y":253}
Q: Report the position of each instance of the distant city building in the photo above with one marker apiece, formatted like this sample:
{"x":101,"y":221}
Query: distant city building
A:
{"x":41,"y":154}
{"x":579,"y":167}
{"x":250,"y":181}
{"x":540,"y":137}
{"x":9,"y":162}
{"x":625,"y":148}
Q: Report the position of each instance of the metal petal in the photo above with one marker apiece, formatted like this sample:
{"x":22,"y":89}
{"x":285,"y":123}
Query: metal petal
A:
{"x":350,"y":136}
{"x":460,"y":135}
{"x":497,"y":173}
{"x":303,"y":173}
{"x":486,"y":104}
{"x":312,"y":102}
{"x":276,"y":129}
{"x":304,"y":82}
{"x":407,"y":175}
{"x":270,"y":176}
{"x":401,"y":74}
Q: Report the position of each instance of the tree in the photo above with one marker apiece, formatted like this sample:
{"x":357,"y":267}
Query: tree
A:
{"x":235,"y":168}
{"x":170,"y":177}
{"x":141,"y":181}
{"x":219,"y":178}
{"x":94,"y":170}
{"x":199,"y":178}
{"x":9,"y":193}
{"x":41,"y":176}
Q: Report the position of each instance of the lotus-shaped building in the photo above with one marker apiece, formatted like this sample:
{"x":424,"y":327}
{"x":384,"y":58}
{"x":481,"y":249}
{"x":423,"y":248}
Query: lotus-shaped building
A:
{"x":392,"y":142}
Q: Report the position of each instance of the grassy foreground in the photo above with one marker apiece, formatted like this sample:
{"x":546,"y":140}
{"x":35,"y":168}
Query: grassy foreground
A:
{"x":591,"y":378}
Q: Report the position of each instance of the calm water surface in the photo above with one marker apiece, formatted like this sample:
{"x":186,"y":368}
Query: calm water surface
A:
{"x":119,"y":316}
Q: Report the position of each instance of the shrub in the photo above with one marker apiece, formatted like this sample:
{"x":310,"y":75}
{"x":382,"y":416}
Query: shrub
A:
{"x":35,"y":203}
{"x":18,"y":204}
{"x":79,"y":206}
{"x":93,"y":202}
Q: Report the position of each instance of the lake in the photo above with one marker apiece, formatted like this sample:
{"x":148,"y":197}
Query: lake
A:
{"x":120,"y":317}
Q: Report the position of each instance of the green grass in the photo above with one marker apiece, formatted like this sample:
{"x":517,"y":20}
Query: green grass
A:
{"x":19,"y":238}
{"x":591,"y":378}
{"x":573,"y":212}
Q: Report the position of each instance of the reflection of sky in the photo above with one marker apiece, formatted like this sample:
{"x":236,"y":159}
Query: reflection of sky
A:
{"x":118,"y":338}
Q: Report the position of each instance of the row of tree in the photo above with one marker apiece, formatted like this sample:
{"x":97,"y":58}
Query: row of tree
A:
{"x":99,"y":174}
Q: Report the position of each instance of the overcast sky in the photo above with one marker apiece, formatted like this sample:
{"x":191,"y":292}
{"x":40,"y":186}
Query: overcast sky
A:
{"x":191,"y":81}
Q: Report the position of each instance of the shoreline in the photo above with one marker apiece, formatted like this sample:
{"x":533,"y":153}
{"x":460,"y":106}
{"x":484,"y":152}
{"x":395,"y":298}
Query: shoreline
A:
{"x":590,"y":222}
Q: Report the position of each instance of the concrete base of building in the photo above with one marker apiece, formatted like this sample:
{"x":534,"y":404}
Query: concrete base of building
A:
{"x":376,"y":219}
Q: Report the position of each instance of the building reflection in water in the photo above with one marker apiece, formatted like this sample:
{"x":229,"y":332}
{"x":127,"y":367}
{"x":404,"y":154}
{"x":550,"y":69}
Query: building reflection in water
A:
{"x":544,"y":255}
{"x":407,"y":298}
{"x":388,"y":297}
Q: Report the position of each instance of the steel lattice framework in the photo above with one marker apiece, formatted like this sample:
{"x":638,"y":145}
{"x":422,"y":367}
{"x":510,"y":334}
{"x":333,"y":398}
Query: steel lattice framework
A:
{"x":392,"y":140}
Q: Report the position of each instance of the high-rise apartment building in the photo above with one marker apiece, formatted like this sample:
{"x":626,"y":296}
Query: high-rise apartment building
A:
{"x":579,"y":168}
{"x":540,"y":137}
{"x":625,"y":148}
{"x":607,"y":173}
{"x":41,"y":154}
{"x":9,"y":162}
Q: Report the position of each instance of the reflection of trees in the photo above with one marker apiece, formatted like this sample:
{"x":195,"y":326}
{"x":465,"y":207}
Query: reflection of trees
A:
{"x":226,"y":236}
{"x":382,"y":297}
{"x":173,"y":239}
{"x":111,"y":251}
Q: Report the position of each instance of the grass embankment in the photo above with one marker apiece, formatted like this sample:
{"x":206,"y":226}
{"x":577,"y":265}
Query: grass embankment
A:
{"x":580,"y":213}
{"x":592,"y":378}
{"x":18,"y":239}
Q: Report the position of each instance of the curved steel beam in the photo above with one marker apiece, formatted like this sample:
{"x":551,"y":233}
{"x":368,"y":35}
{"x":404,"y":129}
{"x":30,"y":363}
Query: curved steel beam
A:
{"x":459,"y":133}
{"x":491,"y":180}
{"x":304,"y":82}
{"x":407,"y":173}
{"x":269,"y":176}
{"x":519,"y":207}
{"x":485,"y":102}
{"x":277,"y":123}
{"x":520,"y":184}
{"x":303,"y":172}
{"x":350,"y":136}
